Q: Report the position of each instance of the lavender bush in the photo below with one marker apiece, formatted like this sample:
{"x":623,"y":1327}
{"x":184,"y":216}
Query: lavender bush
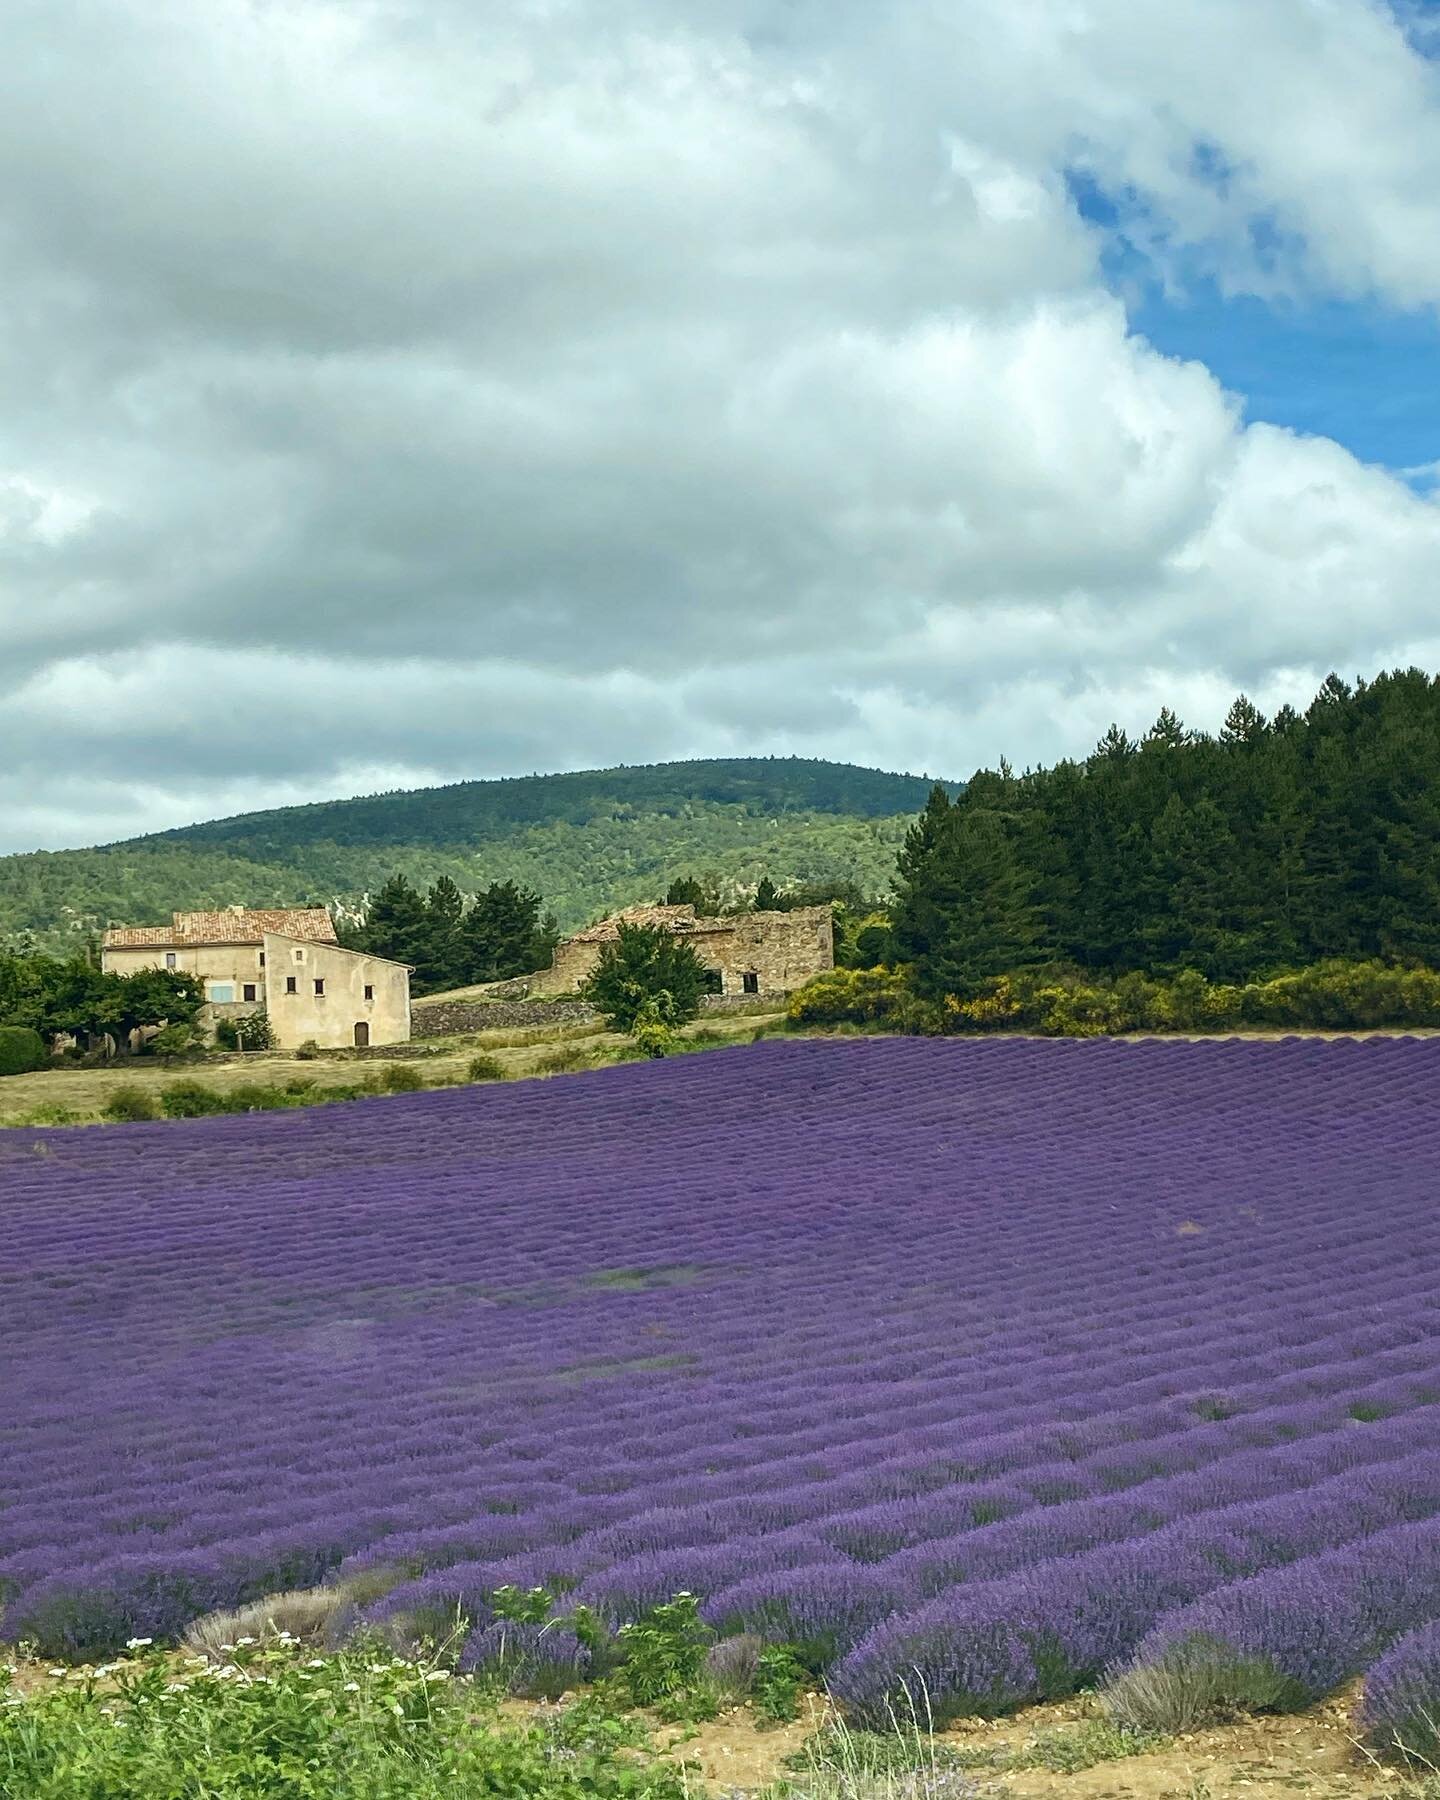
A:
{"x":1400,"y":1710}
{"x":986,"y":1359}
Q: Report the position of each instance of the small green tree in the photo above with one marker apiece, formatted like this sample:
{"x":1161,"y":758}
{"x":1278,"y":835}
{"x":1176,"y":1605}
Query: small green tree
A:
{"x":766,"y":895}
{"x":648,"y":974}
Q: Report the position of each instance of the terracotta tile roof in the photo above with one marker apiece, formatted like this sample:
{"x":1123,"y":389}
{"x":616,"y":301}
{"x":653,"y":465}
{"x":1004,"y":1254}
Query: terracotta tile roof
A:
{"x":232,"y":925}
{"x":671,"y":918}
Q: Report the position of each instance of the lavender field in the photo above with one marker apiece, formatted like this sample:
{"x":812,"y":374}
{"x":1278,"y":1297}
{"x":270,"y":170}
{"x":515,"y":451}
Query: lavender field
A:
{"x":1002,"y":1362}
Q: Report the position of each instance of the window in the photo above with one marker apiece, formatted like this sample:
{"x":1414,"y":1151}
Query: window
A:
{"x":248,"y":991}
{"x":262,"y":959}
{"x":299,"y":956}
{"x":290,"y":985}
{"x":369,"y":991}
{"x":222,"y":992}
{"x":319,"y":985}
{"x":750,"y":983}
{"x":169,"y":959}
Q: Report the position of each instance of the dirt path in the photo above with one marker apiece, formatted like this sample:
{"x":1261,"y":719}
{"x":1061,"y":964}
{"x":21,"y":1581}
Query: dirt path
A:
{"x":1312,"y":1753}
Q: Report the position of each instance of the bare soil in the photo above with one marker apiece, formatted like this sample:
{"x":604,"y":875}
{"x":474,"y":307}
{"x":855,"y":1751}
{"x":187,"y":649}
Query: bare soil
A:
{"x":1312,"y":1753}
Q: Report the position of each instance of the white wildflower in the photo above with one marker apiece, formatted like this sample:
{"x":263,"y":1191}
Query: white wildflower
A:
{"x":352,"y":1687}
{"x":138,"y":1643}
{"x":316,"y":1662}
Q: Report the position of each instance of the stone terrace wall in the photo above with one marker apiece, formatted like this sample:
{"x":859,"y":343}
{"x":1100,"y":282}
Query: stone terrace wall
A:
{"x":444,"y":1018}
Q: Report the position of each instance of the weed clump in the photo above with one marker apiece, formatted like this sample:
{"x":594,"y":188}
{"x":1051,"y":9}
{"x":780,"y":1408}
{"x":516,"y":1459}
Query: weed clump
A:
{"x":1196,"y":1683}
{"x":276,"y":1717}
{"x":131,"y":1104}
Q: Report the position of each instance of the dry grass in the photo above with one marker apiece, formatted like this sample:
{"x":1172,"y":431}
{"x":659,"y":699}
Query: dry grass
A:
{"x":308,"y":1615}
{"x":69,"y":1095}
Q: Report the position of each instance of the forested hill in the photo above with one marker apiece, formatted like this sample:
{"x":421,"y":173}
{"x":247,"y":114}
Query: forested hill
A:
{"x":586,"y":842}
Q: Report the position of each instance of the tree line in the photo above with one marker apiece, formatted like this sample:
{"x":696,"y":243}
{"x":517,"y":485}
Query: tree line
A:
{"x":1277,"y":843}
{"x":449,"y":943}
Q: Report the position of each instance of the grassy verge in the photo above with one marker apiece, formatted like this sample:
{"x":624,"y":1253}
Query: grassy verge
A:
{"x":68,"y":1095}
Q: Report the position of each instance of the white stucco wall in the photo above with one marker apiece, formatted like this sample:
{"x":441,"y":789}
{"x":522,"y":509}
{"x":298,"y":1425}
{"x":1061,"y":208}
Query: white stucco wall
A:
{"x":329,"y":1017}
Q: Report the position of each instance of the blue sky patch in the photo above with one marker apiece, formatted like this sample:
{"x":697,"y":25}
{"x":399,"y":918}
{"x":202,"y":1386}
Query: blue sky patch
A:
{"x":1364,"y":374}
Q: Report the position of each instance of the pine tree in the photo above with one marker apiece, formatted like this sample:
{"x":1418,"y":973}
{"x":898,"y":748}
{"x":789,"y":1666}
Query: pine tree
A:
{"x":977,"y":904}
{"x":916,"y":922}
{"x":503,"y":935}
{"x":1244,"y":723}
{"x":766,"y":895}
{"x":397,"y":924}
{"x":441,"y":961}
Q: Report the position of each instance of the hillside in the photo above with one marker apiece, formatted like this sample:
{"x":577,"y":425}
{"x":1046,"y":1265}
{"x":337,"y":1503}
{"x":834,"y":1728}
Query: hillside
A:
{"x":586,"y":842}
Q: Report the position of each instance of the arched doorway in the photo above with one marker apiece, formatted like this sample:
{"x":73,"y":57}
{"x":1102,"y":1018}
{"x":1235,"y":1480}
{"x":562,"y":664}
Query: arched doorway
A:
{"x":362,"y":1034}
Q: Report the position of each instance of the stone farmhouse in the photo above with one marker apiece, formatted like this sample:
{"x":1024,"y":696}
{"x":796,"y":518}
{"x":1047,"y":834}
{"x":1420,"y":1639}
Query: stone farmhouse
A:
{"x":761,"y":953}
{"x":284,"y":960}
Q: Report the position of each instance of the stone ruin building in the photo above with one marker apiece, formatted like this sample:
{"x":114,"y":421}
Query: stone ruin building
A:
{"x":759,"y":953}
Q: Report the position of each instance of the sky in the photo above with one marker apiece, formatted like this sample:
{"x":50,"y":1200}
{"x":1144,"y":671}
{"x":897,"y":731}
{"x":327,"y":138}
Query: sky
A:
{"x":403,"y":391}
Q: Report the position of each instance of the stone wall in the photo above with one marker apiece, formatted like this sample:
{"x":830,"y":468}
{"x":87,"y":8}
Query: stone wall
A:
{"x":780,"y":950}
{"x":444,"y":1018}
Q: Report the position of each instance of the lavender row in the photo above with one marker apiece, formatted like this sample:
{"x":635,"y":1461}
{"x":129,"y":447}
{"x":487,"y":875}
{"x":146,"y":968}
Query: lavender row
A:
{"x":930,"y":1292}
{"x":1042,"y":1632}
{"x":1310,"y":1627}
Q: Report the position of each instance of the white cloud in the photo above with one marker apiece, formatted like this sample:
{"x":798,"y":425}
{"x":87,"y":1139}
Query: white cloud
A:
{"x":421,"y":390}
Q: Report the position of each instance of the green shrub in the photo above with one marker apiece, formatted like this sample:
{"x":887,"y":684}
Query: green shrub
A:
{"x":651,"y":1034}
{"x":850,"y":997}
{"x":401,"y":1078}
{"x":565,"y":1060}
{"x":253,"y":1096}
{"x":248,"y":1031}
{"x":1334,"y":996}
{"x":664,"y":1651}
{"x":191,"y":1100}
{"x":646,"y":972}
{"x":485,"y":1068}
{"x":776,"y":1685}
{"x":180,"y":1038}
{"x":21,"y":1050}
{"x":130,"y":1104}
{"x":308,"y":1051}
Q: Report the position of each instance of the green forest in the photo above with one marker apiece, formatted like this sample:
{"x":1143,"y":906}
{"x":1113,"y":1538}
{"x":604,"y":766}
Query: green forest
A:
{"x":588,"y":843}
{"x":1275,"y":844}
